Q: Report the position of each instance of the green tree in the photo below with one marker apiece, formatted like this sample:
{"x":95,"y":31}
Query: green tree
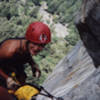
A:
{"x":8,"y":9}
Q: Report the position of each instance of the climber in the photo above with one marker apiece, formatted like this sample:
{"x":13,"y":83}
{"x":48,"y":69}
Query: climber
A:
{"x":16,"y":52}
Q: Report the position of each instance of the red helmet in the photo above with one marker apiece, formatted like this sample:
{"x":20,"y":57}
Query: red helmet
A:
{"x":38,"y":32}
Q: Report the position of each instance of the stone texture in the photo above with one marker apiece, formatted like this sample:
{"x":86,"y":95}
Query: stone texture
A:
{"x":89,"y":29}
{"x":75,"y":77}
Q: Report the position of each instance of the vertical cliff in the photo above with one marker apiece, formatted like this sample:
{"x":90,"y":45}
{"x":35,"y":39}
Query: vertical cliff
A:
{"x":70,"y":75}
{"x":77,"y":75}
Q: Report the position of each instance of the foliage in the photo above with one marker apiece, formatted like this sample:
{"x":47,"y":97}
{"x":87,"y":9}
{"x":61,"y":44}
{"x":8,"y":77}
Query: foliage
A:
{"x":65,"y":9}
{"x":73,"y":37}
{"x":8,"y":9}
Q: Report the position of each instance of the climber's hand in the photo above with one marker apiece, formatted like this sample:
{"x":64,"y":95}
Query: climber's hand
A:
{"x":36,"y":72}
{"x":11,"y":84}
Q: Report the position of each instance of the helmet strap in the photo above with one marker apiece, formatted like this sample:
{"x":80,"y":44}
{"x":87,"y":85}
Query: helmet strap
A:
{"x":27,"y":45}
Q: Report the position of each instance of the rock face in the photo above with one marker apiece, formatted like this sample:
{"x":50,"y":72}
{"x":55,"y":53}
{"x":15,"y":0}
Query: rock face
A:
{"x":75,"y":77}
{"x":88,"y":25}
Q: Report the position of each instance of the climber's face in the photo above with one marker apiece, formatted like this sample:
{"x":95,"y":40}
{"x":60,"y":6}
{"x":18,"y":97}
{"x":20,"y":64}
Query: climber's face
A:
{"x":34,"y":48}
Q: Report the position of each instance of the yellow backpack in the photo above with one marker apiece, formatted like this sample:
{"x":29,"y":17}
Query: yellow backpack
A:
{"x":26,"y":92}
